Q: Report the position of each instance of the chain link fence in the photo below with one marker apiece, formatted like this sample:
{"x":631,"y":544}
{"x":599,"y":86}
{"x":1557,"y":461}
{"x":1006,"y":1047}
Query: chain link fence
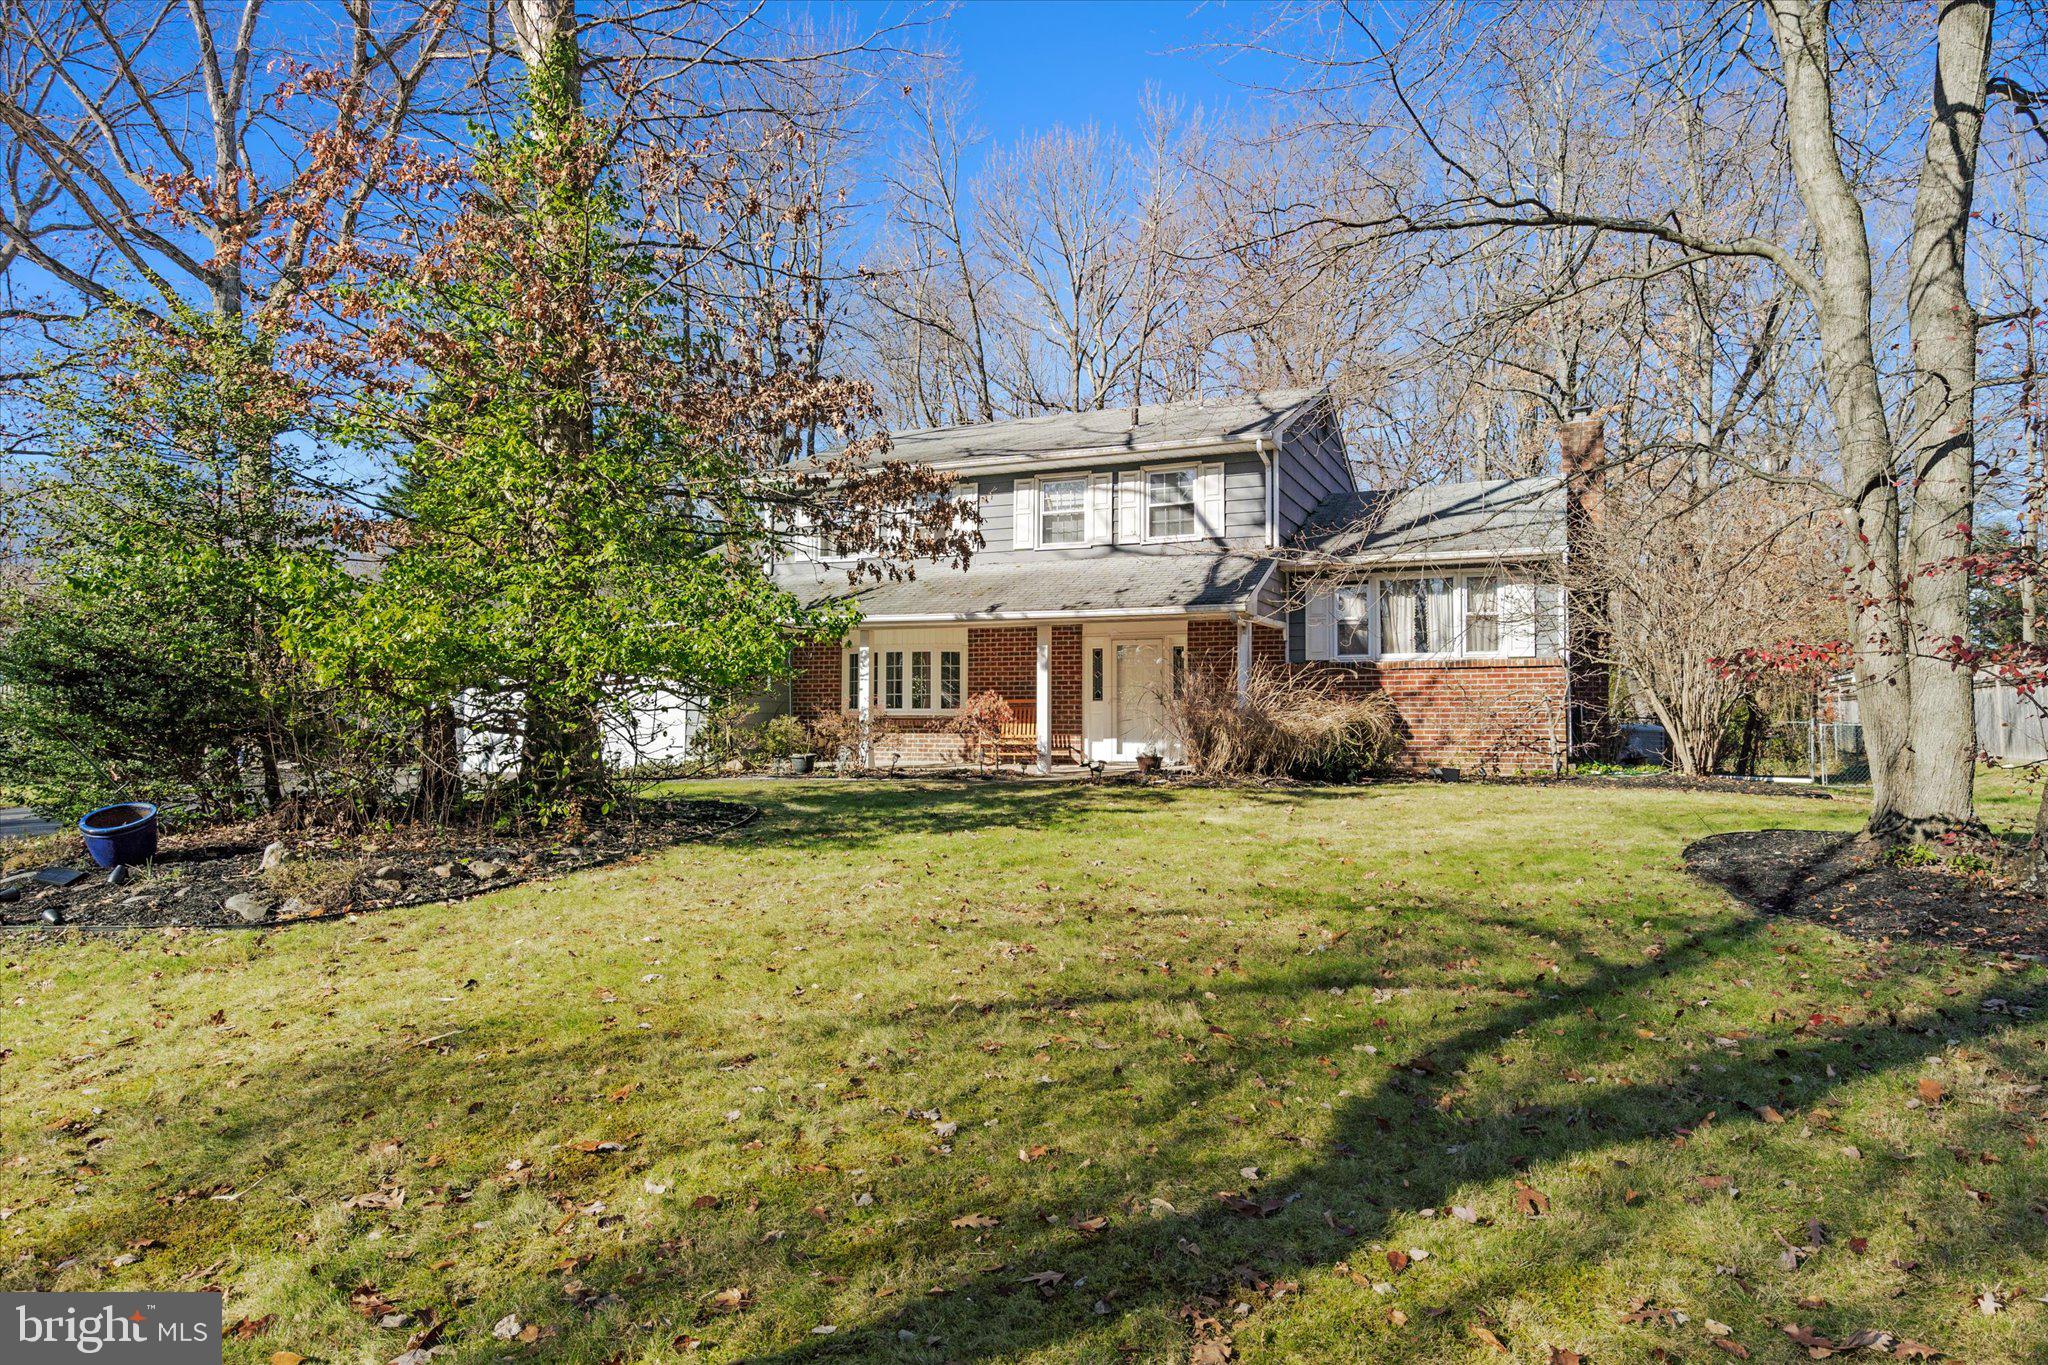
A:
{"x":1828,"y":753}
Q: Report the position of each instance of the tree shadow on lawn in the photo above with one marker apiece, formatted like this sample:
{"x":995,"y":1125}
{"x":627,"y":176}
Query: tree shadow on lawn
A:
{"x":1353,"y":1172}
{"x":1312,"y":1218}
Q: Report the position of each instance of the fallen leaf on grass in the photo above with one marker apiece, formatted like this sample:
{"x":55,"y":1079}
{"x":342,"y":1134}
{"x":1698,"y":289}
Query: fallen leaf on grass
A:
{"x":506,"y":1327}
{"x":732,"y":1300}
{"x":975,"y":1220}
{"x":286,"y":1358}
{"x":246,"y":1328}
{"x":1931,"y":1091}
{"x":1250,"y":1208}
{"x":1489,"y":1339}
{"x":1560,"y":1356}
{"x":1531,"y":1201}
{"x":1916,"y":1350}
{"x":393,"y":1198}
{"x":1731,"y":1346}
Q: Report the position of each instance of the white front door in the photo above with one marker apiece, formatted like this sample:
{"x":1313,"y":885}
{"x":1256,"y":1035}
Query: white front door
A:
{"x":1142,"y":681}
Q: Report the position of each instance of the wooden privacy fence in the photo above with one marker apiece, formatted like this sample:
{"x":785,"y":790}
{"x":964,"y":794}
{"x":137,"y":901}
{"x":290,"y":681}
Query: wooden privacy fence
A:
{"x":2011,"y":728}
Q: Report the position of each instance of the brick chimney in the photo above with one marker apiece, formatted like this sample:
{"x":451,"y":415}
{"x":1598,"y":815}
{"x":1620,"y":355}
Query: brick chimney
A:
{"x":1583,"y":443}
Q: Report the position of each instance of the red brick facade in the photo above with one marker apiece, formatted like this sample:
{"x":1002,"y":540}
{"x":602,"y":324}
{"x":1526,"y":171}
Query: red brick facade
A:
{"x":1480,"y":715}
{"x":1487,"y":715}
{"x":1000,"y":659}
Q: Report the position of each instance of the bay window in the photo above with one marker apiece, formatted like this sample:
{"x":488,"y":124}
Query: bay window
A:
{"x":1447,"y":616}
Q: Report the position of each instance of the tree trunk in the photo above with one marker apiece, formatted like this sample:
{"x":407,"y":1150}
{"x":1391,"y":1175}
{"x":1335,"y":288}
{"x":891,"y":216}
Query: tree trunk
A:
{"x":1943,"y":437}
{"x":1879,"y":632}
{"x":440,"y":789}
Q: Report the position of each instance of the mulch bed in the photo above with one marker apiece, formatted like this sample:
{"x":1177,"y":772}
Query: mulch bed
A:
{"x":196,"y":875}
{"x":1838,"y":881}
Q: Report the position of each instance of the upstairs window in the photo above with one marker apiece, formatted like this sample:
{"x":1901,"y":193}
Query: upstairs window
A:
{"x":1063,"y":512}
{"x":1170,"y":504}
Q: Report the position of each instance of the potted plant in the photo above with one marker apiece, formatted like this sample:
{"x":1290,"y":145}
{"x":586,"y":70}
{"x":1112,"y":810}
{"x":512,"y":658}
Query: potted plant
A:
{"x":1150,"y":759}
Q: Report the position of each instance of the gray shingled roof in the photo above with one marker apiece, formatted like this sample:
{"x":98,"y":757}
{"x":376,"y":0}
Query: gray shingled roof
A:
{"x":1455,"y":520}
{"x":1160,"y":426}
{"x":1160,"y":578}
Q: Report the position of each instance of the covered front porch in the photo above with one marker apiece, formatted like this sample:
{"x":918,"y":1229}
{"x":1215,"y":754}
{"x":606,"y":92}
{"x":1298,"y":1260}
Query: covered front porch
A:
{"x":1081,"y":689}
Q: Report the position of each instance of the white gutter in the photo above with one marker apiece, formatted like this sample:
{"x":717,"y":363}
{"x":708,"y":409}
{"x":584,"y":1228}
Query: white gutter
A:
{"x":1056,"y":614}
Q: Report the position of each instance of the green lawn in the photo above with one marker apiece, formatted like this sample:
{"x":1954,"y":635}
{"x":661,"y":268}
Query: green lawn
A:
{"x":959,"y":1074}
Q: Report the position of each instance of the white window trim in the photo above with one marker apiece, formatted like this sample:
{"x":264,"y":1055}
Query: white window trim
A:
{"x":878,"y":696}
{"x":1145,"y":473}
{"x":1039,"y":510}
{"x":1373,"y":587}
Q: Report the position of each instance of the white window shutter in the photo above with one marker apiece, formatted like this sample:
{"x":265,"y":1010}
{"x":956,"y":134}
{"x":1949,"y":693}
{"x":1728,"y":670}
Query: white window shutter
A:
{"x":1320,"y":622}
{"x":1209,"y":499}
{"x":1517,"y":618}
{"x":1100,"y":490}
{"x":1130,"y":508}
{"x":1025,"y":514}
{"x":968,"y":495}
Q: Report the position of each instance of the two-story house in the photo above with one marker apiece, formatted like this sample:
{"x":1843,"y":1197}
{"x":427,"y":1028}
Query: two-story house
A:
{"x":1125,"y":549}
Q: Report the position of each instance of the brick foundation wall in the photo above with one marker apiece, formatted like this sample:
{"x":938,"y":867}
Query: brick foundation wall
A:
{"x":1502,"y":716}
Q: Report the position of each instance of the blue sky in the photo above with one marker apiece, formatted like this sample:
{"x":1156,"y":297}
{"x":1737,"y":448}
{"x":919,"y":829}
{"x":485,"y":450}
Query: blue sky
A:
{"x":1035,"y":63}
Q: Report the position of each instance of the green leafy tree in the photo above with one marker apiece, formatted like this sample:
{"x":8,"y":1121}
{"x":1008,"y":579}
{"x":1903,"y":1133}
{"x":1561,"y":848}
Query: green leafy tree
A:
{"x":591,"y":448}
{"x":159,"y":535}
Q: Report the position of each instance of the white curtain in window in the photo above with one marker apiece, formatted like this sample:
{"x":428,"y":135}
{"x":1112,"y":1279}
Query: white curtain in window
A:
{"x":1417,"y":615}
{"x":1354,"y":622}
{"x":1063,"y":512}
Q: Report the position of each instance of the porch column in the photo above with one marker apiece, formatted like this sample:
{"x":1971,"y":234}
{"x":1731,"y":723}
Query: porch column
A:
{"x":867,"y":699}
{"x":1244,"y":660}
{"x":1045,"y":699}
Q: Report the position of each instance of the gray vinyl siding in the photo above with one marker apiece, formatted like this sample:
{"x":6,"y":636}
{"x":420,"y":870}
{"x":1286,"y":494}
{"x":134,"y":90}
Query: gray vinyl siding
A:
{"x":1244,"y":500}
{"x":1313,"y":466}
{"x":998,"y":495}
{"x":1244,"y":497}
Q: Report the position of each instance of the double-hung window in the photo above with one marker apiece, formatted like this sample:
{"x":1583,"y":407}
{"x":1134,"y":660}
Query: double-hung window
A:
{"x":1170,"y":504}
{"x":1354,"y":622}
{"x":1063,"y":511}
{"x":1482,"y":615}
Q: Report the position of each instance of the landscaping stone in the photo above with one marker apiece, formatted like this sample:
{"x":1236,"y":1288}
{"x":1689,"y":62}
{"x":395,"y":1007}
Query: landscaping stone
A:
{"x":274,"y":856}
{"x":210,"y":877}
{"x":253,"y":909}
